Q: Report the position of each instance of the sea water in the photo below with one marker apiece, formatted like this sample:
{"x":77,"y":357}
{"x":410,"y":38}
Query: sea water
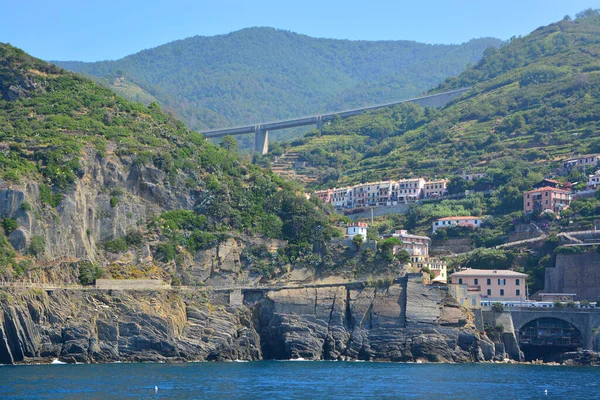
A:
{"x":299,"y":380}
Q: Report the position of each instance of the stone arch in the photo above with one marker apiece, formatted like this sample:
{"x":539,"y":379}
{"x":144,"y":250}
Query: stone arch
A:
{"x":574,"y":320}
{"x":550,"y":331}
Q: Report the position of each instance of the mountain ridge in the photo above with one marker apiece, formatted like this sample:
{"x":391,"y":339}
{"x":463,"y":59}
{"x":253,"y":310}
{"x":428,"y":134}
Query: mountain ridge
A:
{"x":260,"y":74}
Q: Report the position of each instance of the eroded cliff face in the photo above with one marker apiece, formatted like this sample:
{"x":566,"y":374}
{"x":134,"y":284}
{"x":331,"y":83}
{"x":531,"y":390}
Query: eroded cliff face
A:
{"x":103,"y":326}
{"x":381,"y":324}
{"x":325,"y":323}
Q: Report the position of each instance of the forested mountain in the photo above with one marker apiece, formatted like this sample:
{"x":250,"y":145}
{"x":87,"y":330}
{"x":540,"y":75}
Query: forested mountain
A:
{"x":121,"y":189}
{"x":264,"y":74}
{"x":535,"y":100}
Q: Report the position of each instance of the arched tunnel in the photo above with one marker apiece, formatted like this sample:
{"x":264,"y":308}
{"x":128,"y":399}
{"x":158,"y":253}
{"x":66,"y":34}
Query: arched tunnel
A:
{"x":547,"y":338}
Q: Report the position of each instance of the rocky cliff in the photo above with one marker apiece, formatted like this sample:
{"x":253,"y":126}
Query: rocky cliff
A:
{"x":325,"y":323}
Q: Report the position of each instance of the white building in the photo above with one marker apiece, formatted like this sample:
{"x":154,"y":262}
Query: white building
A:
{"x":357,"y":228}
{"x":407,"y":189}
{"x":594,"y":180}
{"x":447,"y":222}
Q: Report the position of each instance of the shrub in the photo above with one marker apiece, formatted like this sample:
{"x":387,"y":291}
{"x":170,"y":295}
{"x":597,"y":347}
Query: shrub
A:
{"x":9,"y":225}
{"x":116,"y":246}
{"x":497,"y":307}
{"x":48,"y":197}
{"x":114,"y":201}
{"x":88,"y":273}
{"x":37,"y":245}
{"x":25,"y":206}
{"x":134,"y":238}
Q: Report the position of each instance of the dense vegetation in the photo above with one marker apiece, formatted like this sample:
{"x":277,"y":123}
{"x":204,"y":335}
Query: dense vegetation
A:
{"x":50,"y":120}
{"x":262,"y":74}
{"x":535,"y":99}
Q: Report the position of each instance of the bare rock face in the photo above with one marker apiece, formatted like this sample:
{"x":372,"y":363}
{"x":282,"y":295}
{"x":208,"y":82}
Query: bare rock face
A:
{"x":368,"y":324}
{"x":95,"y":326}
{"x":403,"y":322}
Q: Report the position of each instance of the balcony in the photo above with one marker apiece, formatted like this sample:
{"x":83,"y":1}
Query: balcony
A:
{"x":473,"y":288}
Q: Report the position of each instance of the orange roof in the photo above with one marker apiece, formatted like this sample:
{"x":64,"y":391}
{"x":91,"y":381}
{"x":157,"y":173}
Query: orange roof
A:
{"x":550,"y":188}
{"x":457,"y":218}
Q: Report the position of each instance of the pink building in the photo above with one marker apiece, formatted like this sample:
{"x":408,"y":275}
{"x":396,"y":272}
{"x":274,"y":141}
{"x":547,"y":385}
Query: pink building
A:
{"x":435,"y":188}
{"x":492,"y":284}
{"x":587,"y":161}
{"x":324,"y":195}
{"x":546,"y":198}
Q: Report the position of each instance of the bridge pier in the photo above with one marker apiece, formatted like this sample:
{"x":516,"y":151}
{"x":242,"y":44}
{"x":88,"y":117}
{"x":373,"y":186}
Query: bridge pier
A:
{"x":320,"y":123}
{"x":261,"y":140}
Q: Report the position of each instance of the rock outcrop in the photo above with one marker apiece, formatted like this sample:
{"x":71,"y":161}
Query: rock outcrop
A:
{"x":324,"y":323}
{"x":105,"y":326}
{"x":382,"y":324}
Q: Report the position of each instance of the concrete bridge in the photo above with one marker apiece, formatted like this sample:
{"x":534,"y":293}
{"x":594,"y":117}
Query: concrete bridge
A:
{"x":261,"y":131}
{"x":585,"y":322}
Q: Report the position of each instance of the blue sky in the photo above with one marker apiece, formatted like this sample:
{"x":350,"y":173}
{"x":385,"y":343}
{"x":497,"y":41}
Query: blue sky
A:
{"x":109,"y":29}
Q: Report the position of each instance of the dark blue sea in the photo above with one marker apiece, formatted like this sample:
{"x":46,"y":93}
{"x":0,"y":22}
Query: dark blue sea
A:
{"x":298,"y":380}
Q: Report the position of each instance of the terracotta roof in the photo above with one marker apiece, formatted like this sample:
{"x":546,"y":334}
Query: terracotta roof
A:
{"x":456,"y":218}
{"x":548,"y":188}
{"x":488,"y":272}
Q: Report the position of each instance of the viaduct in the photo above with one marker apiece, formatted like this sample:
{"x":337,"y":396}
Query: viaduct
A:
{"x":261,"y":131}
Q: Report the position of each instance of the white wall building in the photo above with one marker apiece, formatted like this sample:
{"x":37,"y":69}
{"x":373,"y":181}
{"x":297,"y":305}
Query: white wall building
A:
{"x":357,"y":228}
{"x":447,"y":222}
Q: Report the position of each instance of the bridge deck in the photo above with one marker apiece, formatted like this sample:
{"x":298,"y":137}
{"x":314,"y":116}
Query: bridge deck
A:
{"x":312,"y":120}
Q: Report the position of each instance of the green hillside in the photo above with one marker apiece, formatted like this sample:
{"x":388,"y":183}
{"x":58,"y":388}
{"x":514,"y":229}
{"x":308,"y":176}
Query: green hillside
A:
{"x":264,"y":74}
{"x":535,"y":101}
{"x":75,"y":155}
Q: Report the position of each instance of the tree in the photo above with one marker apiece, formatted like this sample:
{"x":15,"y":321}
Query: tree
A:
{"x":402,"y":256}
{"x":358,"y":241}
{"x":229,"y":143}
{"x":386,"y":247}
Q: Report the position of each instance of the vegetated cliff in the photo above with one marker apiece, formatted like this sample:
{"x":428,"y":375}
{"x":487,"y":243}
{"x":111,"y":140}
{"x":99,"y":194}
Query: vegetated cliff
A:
{"x":92,"y":185}
{"x":402,"y":322}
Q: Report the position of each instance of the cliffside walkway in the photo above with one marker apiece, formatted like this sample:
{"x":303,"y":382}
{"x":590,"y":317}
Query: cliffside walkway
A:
{"x":50,"y":287}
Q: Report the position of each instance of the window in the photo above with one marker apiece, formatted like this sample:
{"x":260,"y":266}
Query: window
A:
{"x":489,"y":292}
{"x":489,"y":281}
{"x":518,"y":292}
{"x":518,"y":282}
{"x":460,"y":281}
{"x":527,"y":204}
{"x":501,"y":292}
{"x":476,"y":281}
{"x":473,"y":301}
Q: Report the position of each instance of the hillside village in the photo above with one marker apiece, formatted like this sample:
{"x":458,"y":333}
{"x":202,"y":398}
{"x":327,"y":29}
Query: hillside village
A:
{"x":548,"y":200}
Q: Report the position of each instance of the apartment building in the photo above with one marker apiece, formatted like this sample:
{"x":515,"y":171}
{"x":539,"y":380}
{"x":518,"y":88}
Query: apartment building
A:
{"x":408,"y":189}
{"x":435,"y":188}
{"x":594,"y":180}
{"x":492,"y":284}
{"x":546,"y":198}
{"x":587,"y":161}
{"x":447,"y":222}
